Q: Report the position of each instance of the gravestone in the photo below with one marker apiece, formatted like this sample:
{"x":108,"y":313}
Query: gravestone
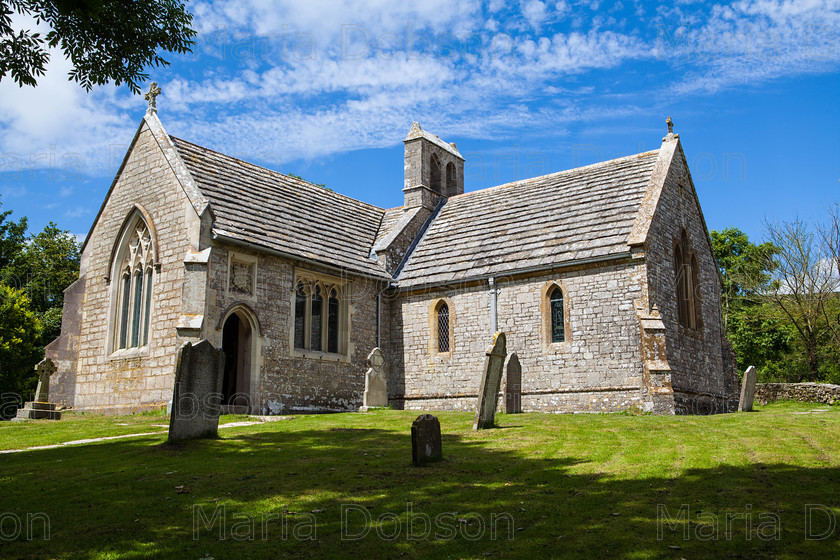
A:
{"x":745,"y":404}
{"x":41,"y":408}
{"x":513,"y":384}
{"x":425,"y":440}
{"x":376,"y":388}
{"x":197,"y":396}
{"x":488,"y":392}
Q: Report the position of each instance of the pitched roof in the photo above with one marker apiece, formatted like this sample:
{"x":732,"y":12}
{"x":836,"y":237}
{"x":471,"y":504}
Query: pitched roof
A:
{"x":576,"y":214}
{"x":389,"y":220}
{"x":267,"y":209}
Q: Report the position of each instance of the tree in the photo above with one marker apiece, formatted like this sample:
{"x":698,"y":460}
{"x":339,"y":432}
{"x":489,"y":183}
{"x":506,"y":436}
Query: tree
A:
{"x":805,"y":288}
{"x":830,"y":236}
{"x":12,"y":238}
{"x":20,"y":331}
{"x":48,"y":264}
{"x":104,"y":40}
{"x":744,"y":266}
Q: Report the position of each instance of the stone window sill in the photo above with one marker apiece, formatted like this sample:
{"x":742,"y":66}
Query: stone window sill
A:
{"x":129,"y":353}
{"x":688,"y":331}
{"x":321,"y":356}
{"x":557,"y":347}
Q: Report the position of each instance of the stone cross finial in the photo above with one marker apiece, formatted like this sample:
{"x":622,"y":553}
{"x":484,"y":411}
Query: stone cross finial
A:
{"x":44,"y":369}
{"x":151,"y":97}
{"x":670,"y":124}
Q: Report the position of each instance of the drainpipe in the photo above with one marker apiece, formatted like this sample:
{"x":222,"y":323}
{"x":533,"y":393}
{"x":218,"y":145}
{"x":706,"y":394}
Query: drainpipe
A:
{"x":494,"y":327}
{"x":378,"y":318}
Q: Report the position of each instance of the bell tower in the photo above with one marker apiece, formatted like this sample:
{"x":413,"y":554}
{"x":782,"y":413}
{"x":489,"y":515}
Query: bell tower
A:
{"x":434,"y":169}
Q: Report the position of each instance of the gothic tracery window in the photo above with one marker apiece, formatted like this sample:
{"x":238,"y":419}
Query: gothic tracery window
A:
{"x":134,"y":277}
{"x":318,"y":316}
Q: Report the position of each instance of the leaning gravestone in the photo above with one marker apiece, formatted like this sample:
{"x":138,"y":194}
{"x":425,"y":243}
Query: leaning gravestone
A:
{"x":197,"y":396}
{"x":513,"y":384}
{"x":745,"y":404}
{"x":488,"y":392}
{"x":376,"y":388}
{"x":425,"y":440}
{"x":41,"y":408}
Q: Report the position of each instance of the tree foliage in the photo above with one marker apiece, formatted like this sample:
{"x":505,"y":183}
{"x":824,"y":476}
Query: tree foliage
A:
{"x":781,"y":301}
{"x":12,"y":238}
{"x":744,"y":266}
{"x":805,"y":289}
{"x":20,"y":331}
{"x":34,"y":271}
{"x":105,"y":40}
{"x":758,"y":337}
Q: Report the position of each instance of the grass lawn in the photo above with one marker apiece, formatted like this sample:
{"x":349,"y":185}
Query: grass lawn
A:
{"x":552,"y":486}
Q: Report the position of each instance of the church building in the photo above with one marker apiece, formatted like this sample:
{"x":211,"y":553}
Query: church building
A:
{"x":602,"y":278}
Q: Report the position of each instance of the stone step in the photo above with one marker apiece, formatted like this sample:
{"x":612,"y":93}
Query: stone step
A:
{"x":37,"y":411}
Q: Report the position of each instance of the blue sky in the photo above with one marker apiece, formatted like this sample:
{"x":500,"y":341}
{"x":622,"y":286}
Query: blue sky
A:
{"x":328,"y":92}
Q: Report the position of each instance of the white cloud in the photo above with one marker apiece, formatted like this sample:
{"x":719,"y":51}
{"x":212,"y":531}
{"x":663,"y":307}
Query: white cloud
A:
{"x":42,"y":126}
{"x":276,"y":105}
{"x":535,"y":12}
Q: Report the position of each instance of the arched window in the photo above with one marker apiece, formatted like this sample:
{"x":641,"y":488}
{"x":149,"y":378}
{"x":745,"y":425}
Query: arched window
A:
{"x":451,"y":180}
{"x":319,"y":313}
{"x":134,"y":267}
{"x":435,"y":174}
{"x":557,"y":328}
{"x":682,"y":296}
{"x":695,"y":293}
{"x":443,"y":342}
{"x":686,"y":274}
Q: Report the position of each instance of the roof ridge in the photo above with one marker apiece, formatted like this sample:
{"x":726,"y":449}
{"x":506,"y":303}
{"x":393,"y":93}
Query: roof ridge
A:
{"x":557,"y":173}
{"x":325,"y":190}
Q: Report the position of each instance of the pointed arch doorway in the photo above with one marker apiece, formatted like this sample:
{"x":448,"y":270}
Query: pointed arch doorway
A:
{"x":238,"y":339}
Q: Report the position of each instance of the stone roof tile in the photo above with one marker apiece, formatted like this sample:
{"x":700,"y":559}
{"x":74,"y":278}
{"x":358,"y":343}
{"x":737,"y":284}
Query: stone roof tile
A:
{"x":576,"y":214}
{"x":267,"y":209}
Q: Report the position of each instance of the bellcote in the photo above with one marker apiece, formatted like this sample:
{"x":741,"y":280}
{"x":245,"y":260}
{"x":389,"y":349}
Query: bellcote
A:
{"x":434,"y":169}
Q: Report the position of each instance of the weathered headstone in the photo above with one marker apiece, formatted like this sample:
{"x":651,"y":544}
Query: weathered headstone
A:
{"x":44,"y":369}
{"x":197,"y":396}
{"x":425,"y":440}
{"x":491,"y":380}
{"x":41,"y":408}
{"x":513,"y":384}
{"x":745,"y":404}
{"x":376,"y":388}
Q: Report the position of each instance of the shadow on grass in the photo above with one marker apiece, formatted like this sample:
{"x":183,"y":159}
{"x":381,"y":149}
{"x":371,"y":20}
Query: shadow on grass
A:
{"x":275,"y":489}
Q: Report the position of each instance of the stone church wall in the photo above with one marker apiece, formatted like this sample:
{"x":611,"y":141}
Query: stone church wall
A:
{"x":695,"y":356}
{"x":598,"y":368}
{"x":143,"y":381}
{"x":284,"y":382}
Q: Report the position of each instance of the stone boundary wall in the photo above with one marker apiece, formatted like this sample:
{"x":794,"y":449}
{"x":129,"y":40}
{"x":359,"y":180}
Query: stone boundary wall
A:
{"x":803,"y":392}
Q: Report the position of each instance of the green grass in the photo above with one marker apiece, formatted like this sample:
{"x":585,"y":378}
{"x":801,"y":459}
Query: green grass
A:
{"x":574,"y":486}
{"x":77,"y":426}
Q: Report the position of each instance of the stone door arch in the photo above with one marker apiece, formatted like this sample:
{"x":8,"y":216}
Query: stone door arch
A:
{"x":240,"y":334}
